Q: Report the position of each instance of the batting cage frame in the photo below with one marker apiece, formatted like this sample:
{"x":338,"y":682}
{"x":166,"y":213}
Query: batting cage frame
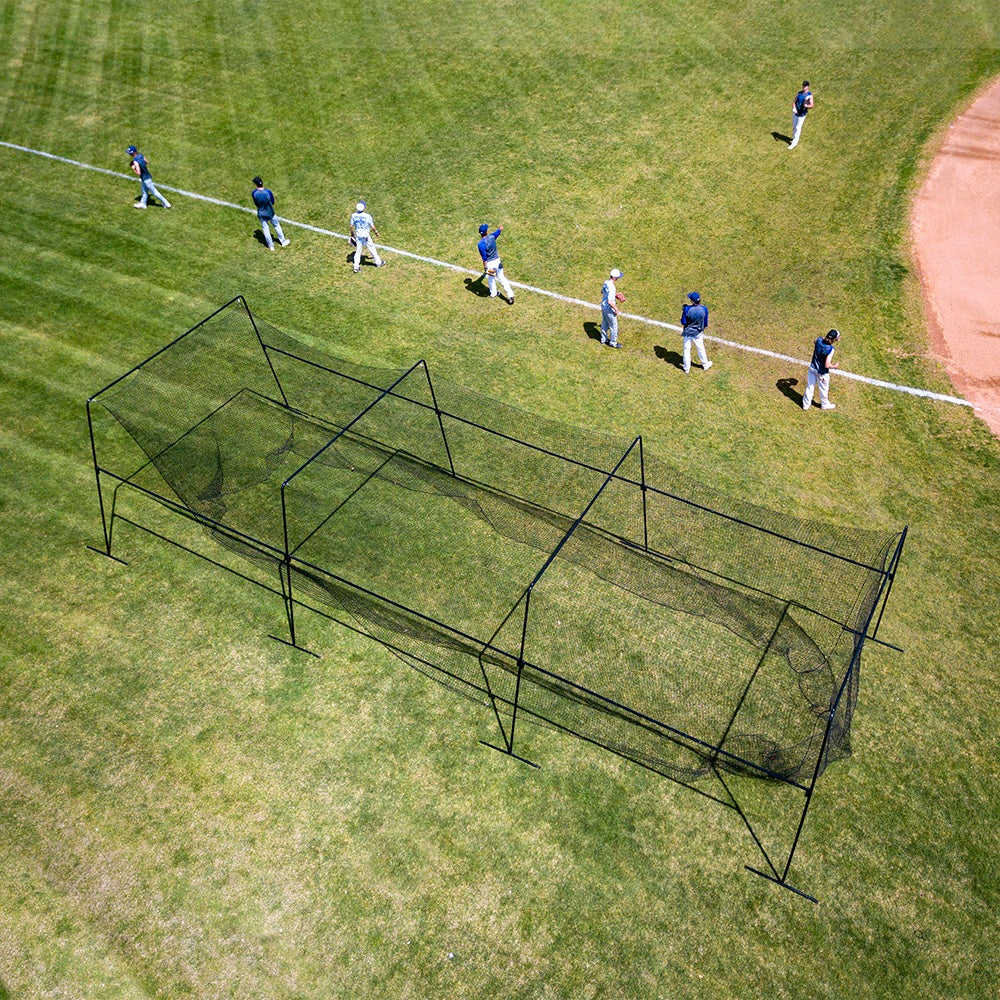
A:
{"x":551,"y":575}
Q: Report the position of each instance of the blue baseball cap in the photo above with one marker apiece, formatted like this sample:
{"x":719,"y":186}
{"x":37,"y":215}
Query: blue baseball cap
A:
{"x":694,"y":296}
{"x":483,"y":229}
{"x":131,"y":149}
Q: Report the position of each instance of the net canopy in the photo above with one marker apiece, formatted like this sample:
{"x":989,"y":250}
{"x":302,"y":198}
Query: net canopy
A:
{"x":567,"y":576}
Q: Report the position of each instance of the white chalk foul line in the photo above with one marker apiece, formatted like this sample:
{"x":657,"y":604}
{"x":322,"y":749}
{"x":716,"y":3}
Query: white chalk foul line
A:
{"x":910,"y":390}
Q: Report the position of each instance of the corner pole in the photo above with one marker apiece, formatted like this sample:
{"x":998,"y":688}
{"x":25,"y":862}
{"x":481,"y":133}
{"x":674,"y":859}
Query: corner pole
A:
{"x":263,"y":347}
{"x":110,"y":385}
{"x":106,"y":551}
{"x":852,"y":670}
{"x":817,"y":770}
{"x":97,"y":475}
{"x":891,"y":576}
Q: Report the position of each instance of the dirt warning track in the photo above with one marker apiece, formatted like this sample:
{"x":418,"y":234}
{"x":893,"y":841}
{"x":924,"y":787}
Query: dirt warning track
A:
{"x":956,"y":232}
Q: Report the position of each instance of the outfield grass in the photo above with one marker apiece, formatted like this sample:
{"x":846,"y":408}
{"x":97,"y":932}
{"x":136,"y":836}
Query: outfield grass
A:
{"x":190,"y":809}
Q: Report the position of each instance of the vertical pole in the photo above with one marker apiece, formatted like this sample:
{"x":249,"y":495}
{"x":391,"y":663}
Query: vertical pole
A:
{"x":817,"y":770}
{"x":437,"y":410}
{"x":263,"y":347}
{"x":286,"y":565}
{"x":97,"y":475}
{"x":642,"y":476}
{"x":290,"y":604}
{"x":897,"y":555}
{"x":508,"y":740}
{"x":520,"y":669}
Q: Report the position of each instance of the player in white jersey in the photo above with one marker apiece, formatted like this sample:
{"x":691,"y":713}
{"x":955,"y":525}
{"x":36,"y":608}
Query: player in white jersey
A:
{"x":362,"y":231}
{"x":610,"y":297}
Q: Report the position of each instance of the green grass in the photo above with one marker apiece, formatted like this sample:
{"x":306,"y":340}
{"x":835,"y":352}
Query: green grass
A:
{"x":190,"y":809}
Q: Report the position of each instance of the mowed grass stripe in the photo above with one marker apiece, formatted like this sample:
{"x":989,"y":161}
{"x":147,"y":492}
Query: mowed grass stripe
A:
{"x":197,"y":811}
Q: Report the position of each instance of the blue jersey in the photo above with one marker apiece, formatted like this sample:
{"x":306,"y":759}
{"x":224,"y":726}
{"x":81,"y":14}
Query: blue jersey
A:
{"x":694,"y":319}
{"x":821,"y":355}
{"x":140,"y":161}
{"x":263,"y":198}
{"x":801,"y":105}
{"x":488,"y":247}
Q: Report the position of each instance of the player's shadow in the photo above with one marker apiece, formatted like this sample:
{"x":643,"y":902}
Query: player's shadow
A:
{"x":670,"y":357}
{"x":478,"y":286}
{"x":592,"y":330}
{"x":258,"y":235}
{"x":786,"y":388}
{"x":781,"y":137}
{"x":366,"y":261}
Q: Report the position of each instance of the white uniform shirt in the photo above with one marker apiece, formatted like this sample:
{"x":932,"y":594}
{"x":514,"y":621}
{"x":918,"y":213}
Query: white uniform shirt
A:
{"x":362,"y":223}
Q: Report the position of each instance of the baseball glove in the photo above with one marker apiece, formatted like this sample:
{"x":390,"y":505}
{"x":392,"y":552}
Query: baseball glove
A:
{"x":619,"y":297}
{"x":491,"y":271}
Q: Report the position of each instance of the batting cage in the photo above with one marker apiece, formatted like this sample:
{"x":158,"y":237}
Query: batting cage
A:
{"x":553,"y":575}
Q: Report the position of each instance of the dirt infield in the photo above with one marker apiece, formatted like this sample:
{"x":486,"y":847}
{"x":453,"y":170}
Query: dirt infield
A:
{"x":956,"y":233}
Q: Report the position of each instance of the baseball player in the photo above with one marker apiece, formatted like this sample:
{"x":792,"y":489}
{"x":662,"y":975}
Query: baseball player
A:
{"x":492,"y":264}
{"x":819,"y":371}
{"x":800,"y":108}
{"x":362,"y":231}
{"x":263,"y":198}
{"x":694,"y":320}
{"x":610,"y":297}
{"x":140,"y":167}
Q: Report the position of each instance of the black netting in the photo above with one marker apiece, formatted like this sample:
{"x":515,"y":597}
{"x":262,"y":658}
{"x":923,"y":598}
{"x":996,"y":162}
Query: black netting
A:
{"x":643,"y":611}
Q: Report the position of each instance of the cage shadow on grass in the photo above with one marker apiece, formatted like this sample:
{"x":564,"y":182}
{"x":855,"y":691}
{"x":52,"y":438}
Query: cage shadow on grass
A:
{"x":570,"y":580}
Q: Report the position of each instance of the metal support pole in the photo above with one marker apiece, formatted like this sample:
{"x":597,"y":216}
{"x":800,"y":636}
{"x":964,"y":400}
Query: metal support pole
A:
{"x":437,"y":410}
{"x":897,"y":555}
{"x":642,"y":476}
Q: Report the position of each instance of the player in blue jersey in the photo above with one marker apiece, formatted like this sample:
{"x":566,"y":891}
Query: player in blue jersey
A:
{"x":140,"y":167}
{"x":819,"y":371}
{"x":694,"y":322}
{"x":492,"y":264}
{"x":610,"y":297}
{"x":263,"y":198}
{"x":800,"y":108}
{"x":362,"y":231}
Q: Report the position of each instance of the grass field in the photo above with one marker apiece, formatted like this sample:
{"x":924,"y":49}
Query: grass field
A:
{"x":190,"y":809}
